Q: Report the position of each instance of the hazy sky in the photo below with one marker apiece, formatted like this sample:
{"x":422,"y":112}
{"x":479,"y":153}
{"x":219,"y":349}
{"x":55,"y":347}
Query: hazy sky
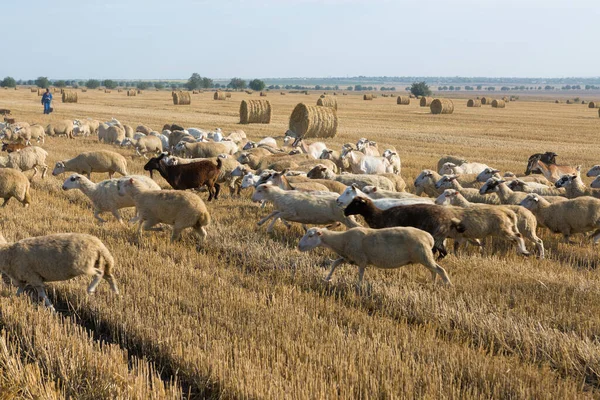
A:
{"x":164,"y":39}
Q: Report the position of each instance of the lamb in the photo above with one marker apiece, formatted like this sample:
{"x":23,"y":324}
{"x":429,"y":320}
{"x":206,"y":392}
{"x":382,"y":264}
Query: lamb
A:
{"x":374,"y":192}
{"x":466,"y":168}
{"x":472,"y":195}
{"x":27,"y":159}
{"x":578,"y":215}
{"x":177,"y":208}
{"x":144,"y":144}
{"x":394,"y":160}
{"x":105,"y":195}
{"x":575,"y":187}
{"x":362,"y":164}
{"x":518,"y":185}
{"x":553,"y":172}
{"x":322,"y":172}
{"x":437,"y":221}
{"x":452,"y":159}
{"x":526,"y":221}
{"x":383,"y":203}
{"x":59,"y":257}
{"x":189,"y":176}
{"x":93,"y":161}
{"x":204,"y":150}
{"x":64,"y":127}
{"x":315,"y":149}
{"x":317,"y":208}
{"x":383,"y":248}
{"x":14,"y":184}
{"x":507,"y":196}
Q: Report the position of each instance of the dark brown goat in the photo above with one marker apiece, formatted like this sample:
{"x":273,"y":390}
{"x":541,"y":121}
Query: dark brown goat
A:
{"x":10,"y":147}
{"x":189,"y":176}
{"x":436,"y":220}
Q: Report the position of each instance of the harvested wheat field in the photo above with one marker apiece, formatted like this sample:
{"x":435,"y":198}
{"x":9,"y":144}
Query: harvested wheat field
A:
{"x":249,"y":316}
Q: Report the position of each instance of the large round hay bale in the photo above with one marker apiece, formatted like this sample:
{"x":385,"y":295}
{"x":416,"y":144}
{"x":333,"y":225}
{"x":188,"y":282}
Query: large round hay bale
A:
{"x":131,"y":93}
{"x":582,"y":101}
{"x":496,"y":103}
{"x":425,"y":101}
{"x":486,"y":101}
{"x":313,"y":121}
{"x":255,"y":112}
{"x":282,"y":93}
{"x":594,"y":104}
{"x":69,"y":96}
{"x":474,"y":103}
{"x":327,"y":101}
{"x":182,"y":98}
{"x":404,"y":100}
{"x":442,"y":106}
{"x":220,"y":95}
{"x":368,"y":97}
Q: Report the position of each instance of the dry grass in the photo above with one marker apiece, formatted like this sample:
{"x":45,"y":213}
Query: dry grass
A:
{"x":249,"y":316}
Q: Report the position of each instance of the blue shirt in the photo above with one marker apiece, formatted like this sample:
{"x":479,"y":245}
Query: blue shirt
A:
{"x":47,"y":97}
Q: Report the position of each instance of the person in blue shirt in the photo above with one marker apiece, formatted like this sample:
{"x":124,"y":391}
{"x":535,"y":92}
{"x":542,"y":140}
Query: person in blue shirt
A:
{"x":46,"y":100}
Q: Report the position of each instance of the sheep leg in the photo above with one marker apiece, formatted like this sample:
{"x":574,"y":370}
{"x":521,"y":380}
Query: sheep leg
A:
{"x":201,"y":233}
{"x":334,"y":264}
{"x":217,"y":191}
{"x":97,"y":278}
{"x":43,"y":296}
{"x":361,"y":274}
{"x":268,"y":217}
{"x":44,"y":170}
{"x":272,"y":224}
{"x":211,"y":192}
{"x":35,"y":171}
{"x":97,"y":216}
{"x":518,"y":239}
{"x":5,"y":202}
{"x":176,"y":235}
{"x":118,"y":216}
{"x":596,"y":236}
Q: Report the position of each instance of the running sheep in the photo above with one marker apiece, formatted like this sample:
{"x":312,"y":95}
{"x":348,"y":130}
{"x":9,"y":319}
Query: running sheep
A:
{"x":15,"y":184}
{"x":29,"y":158}
{"x":93,"y":161}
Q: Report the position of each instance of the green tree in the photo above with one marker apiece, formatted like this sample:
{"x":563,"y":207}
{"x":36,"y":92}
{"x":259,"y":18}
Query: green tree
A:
{"x":237,"y":83}
{"x":207,"y":83}
{"x":109,"y":84}
{"x":159,"y":85}
{"x":141,"y":85}
{"x":195,"y":82}
{"x":8,"y":82}
{"x":92,"y":84}
{"x":478,"y":87}
{"x":420,"y":89}
{"x":257,"y":84}
{"x":42,"y":82}
{"x":60,"y":83}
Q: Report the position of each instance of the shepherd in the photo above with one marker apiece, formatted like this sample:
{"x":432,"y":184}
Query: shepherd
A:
{"x":46,"y":100}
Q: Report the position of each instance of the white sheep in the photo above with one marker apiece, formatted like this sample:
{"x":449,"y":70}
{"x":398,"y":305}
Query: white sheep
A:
{"x":367,"y":147}
{"x":197,"y":133}
{"x":26,"y":159}
{"x":64,"y":127}
{"x":143,"y":129}
{"x":449,"y":158}
{"x":144,"y":144}
{"x":318,"y":208}
{"x":93,"y":161}
{"x":466,"y":168}
{"x":105,"y":195}
{"x":361,"y":180}
{"x":375,"y":193}
{"x":266,"y":142}
{"x":82,"y":130}
{"x":363,"y":164}
{"x":383,"y":204}
{"x":471,"y":194}
{"x":59,"y":257}
{"x":113,"y":134}
{"x":574,"y":187}
{"x":394,"y":160}
{"x":526,"y":221}
{"x":38,"y":133}
{"x":518,"y":185}
{"x":578,"y":215}
{"x":177,"y":208}
{"x":383,"y":248}
{"x":14,"y":184}
{"x":236,"y":136}
{"x":315,"y":149}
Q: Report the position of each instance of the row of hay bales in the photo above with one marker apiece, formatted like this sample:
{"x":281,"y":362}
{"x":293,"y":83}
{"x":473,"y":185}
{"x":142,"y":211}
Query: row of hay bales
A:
{"x":495,"y":103}
{"x":181,"y":98}
{"x":69,"y":96}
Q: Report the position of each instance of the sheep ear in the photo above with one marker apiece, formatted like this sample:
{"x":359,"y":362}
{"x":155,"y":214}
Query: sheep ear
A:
{"x":374,"y":189}
{"x":319,"y":233}
{"x":323,"y":168}
{"x":130,"y":180}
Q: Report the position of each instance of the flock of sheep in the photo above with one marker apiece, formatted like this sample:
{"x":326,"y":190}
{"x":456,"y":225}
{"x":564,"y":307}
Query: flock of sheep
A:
{"x":306,"y":183}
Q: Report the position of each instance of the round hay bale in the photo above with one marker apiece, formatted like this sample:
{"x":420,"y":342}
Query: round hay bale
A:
{"x":228,"y":95}
{"x":119,"y":90}
{"x":582,"y":101}
{"x":486,"y":101}
{"x":182,"y":98}
{"x":442,"y":106}
{"x":505,"y":98}
{"x":84,"y":90}
{"x":107,"y":91}
{"x":255,"y":112}
{"x":282,"y":93}
{"x":599,"y":112}
{"x":139,"y":91}
{"x":404,"y":100}
{"x":40,"y":91}
{"x":411,"y":96}
{"x":556,"y":101}
{"x":131,"y":93}
{"x":568,"y":101}
{"x":334,"y":93}
{"x":34,"y":90}
{"x":594,"y":104}
{"x":263,"y":94}
{"x":69,"y":96}
{"x":313,"y":121}
{"x":344,"y":94}
{"x":425,"y":101}
{"x":474,"y":103}
{"x":368,"y":97}
{"x":498,"y":103}
{"x":327,"y":101}
{"x":219,"y":95}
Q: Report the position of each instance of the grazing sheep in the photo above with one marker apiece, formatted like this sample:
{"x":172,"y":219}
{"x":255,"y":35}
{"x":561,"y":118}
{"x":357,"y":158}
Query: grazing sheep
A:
{"x":178,"y":136}
{"x":82,"y":130}
{"x":14,"y":184}
{"x":472,"y":195}
{"x":144,"y":144}
{"x":466,"y":168}
{"x":394,"y":160}
{"x":177,"y":208}
{"x":452,"y":159}
{"x":382,"y":203}
{"x":59,"y":257}
{"x":302,"y":183}
{"x":426,"y":180}
{"x":236,"y":136}
{"x":317,"y":208}
{"x":518,"y":185}
{"x":93,"y":161}
{"x":268,"y":142}
{"x":322,"y":172}
{"x":105,"y":195}
{"x":507,"y":196}
{"x":578,"y":215}
{"x":383,"y":248}
{"x":526,"y":221}
{"x":64,"y":127}
{"x":438,"y":221}
{"x":574,"y":187}
{"x":29,"y":158}
{"x":273,"y":161}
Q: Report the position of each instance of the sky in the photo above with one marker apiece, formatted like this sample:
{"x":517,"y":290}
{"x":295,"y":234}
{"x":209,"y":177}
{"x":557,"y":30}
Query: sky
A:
{"x":171,"y":39}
